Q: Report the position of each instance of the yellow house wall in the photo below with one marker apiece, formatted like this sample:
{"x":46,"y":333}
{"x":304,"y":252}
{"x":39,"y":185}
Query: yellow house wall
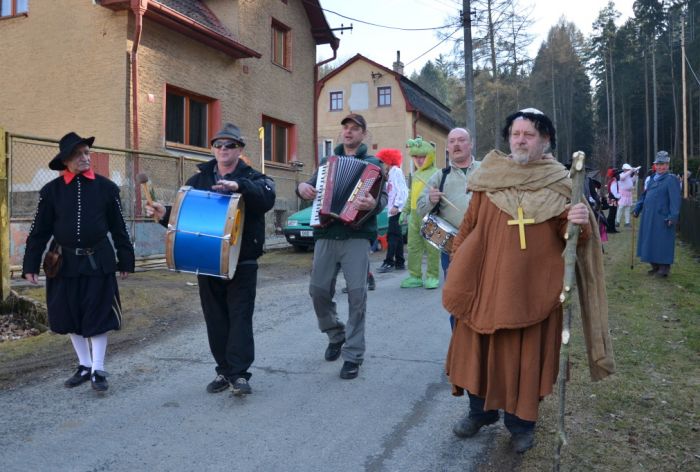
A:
{"x":387,"y":127}
{"x":64,"y":68}
{"x":70,"y":63}
{"x":247,"y":89}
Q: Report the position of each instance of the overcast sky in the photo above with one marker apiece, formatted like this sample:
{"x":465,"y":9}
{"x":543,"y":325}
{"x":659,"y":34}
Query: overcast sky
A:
{"x":380,"y":44}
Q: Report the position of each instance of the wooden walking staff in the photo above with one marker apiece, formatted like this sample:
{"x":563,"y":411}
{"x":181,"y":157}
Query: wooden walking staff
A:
{"x":578,"y":176}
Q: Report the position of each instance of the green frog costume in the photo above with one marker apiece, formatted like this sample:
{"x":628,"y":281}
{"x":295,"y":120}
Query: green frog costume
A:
{"x":417,"y":246}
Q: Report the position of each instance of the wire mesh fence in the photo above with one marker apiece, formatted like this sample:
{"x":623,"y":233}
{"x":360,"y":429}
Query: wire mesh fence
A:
{"x":29,"y":172}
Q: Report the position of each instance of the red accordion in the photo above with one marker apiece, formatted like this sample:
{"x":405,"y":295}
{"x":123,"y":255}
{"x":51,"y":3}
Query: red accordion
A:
{"x":340,"y":181}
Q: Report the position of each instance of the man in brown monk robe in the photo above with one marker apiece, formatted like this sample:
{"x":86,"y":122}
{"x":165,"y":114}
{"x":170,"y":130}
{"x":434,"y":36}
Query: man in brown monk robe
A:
{"x":505,"y":281}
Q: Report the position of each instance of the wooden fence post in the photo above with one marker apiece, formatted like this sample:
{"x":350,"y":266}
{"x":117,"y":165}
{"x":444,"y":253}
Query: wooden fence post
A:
{"x":4,"y":220}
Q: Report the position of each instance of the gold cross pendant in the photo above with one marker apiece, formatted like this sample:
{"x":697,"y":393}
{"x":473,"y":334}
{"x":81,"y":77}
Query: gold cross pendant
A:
{"x":521,"y":222}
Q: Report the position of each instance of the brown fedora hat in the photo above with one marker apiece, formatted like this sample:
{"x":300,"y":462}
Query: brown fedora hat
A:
{"x":66,"y":146}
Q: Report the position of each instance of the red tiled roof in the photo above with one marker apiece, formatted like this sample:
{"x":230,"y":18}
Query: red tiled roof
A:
{"x":199,"y":12}
{"x":193,"y":19}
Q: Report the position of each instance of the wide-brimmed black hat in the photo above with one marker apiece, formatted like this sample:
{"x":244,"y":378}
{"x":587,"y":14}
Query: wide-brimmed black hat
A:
{"x":66,"y":145}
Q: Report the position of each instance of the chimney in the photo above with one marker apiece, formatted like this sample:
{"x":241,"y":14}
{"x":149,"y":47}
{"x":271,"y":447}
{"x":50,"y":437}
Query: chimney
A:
{"x":398,"y":65}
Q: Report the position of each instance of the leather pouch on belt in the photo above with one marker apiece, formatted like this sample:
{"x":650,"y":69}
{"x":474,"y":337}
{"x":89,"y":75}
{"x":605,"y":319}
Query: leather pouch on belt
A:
{"x":52,"y":261}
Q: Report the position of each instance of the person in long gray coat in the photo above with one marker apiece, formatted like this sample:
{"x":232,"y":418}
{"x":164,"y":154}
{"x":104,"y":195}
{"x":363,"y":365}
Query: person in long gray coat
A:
{"x":660,"y":205}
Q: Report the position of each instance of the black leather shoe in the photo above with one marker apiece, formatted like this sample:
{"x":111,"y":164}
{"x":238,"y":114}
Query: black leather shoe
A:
{"x":663,"y":271}
{"x":219,"y":384}
{"x":99,"y":381}
{"x":349,"y":370}
{"x":241,"y":387}
{"x":333,"y":351}
{"x":371,"y":284}
{"x":468,"y":427}
{"x":81,"y":376}
{"x":521,"y":442}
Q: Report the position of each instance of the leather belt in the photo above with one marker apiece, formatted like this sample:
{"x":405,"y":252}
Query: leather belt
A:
{"x":86,"y":251}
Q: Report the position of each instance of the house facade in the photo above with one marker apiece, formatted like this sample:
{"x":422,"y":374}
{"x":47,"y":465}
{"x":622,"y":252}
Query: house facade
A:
{"x":163,"y":76}
{"x":395,"y":108}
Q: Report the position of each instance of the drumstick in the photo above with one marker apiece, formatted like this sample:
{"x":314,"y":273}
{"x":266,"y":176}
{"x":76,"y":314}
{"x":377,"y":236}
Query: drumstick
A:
{"x":147,"y":190}
{"x":441,"y":196}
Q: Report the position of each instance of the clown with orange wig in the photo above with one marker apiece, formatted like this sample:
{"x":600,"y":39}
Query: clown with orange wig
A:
{"x":398,"y":191}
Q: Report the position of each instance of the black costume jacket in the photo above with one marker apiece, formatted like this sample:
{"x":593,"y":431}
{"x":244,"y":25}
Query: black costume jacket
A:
{"x":79,"y":215}
{"x":258,"y":193}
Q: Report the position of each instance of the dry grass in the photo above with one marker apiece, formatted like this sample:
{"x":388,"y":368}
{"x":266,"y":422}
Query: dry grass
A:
{"x":646,"y":416}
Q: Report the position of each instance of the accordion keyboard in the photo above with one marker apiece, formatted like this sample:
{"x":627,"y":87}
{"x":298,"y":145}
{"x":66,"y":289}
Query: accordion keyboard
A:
{"x":318,"y":200}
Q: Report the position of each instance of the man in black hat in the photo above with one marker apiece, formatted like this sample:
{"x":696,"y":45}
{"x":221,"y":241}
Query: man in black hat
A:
{"x":78,"y":209}
{"x":228,"y":305}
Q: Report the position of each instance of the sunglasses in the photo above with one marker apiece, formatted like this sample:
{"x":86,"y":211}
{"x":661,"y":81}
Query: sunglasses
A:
{"x":219,"y":145}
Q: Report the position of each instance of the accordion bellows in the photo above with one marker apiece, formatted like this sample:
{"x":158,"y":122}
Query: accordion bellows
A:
{"x":340,"y":181}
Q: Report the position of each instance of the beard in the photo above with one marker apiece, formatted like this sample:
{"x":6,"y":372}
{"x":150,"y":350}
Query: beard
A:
{"x":520,"y":156}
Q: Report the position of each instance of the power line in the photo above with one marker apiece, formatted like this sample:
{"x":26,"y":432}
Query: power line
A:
{"x":426,"y":52}
{"x":386,"y":26}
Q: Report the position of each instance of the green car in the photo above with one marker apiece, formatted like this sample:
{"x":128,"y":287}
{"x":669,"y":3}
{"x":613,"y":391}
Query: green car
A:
{"x":301,"y":235}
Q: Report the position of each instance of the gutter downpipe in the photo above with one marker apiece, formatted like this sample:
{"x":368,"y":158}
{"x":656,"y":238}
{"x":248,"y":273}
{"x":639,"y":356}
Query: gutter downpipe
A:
{"x":317,"y":94}
{"x":414,"y":128}
{"x":139,"y":8}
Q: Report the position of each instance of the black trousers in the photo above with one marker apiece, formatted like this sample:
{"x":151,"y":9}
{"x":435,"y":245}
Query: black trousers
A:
{"x":228,"y":307}
{"x":612,"y":213}
{"x":514,"y":424}
{"x":394,"y":253}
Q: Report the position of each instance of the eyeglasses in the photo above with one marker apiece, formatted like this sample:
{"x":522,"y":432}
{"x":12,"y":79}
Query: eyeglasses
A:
{"x":230,"y":145}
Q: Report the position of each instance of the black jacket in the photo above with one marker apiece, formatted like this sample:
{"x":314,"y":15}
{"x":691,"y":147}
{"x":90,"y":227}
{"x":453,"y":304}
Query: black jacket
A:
{"x":79,"y":215}
{"x":258,"y":192}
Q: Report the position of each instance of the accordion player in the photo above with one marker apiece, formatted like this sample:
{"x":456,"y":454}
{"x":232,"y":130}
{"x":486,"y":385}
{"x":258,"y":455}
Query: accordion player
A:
{"x":340,"y":181}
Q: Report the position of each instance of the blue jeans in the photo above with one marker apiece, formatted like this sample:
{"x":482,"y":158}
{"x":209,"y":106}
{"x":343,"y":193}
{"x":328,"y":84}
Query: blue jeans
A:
{"x":445,"y":261}
{"x":514,"y":424}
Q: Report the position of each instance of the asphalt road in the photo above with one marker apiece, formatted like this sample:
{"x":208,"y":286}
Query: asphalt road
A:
{"x":396,"y":416}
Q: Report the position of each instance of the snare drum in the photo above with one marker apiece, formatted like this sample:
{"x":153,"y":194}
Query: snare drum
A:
{"x":438,"y":232}
{"x":204,"y":233}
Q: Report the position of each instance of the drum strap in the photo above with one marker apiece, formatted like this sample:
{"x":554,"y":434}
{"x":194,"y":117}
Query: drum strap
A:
{"x":445,"y":171}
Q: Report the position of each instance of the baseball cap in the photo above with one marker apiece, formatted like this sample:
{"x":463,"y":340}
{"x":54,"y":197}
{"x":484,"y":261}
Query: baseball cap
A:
{"x":359,"y":120}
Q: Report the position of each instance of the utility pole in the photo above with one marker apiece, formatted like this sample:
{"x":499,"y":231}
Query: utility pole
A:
{"x":468,"y":70}
{"x":685,"y":125}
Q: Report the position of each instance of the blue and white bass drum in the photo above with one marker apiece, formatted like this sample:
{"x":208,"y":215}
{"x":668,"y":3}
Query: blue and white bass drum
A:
{"x":204,"y":233}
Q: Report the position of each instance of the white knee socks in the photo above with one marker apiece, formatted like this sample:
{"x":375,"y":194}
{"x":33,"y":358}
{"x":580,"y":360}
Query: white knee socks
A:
{"x":82,"y":349}
{"x":99,"y":348}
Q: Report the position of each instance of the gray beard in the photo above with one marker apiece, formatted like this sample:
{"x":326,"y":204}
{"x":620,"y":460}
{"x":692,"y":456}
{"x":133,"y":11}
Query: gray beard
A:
{"x":521,"y":158}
